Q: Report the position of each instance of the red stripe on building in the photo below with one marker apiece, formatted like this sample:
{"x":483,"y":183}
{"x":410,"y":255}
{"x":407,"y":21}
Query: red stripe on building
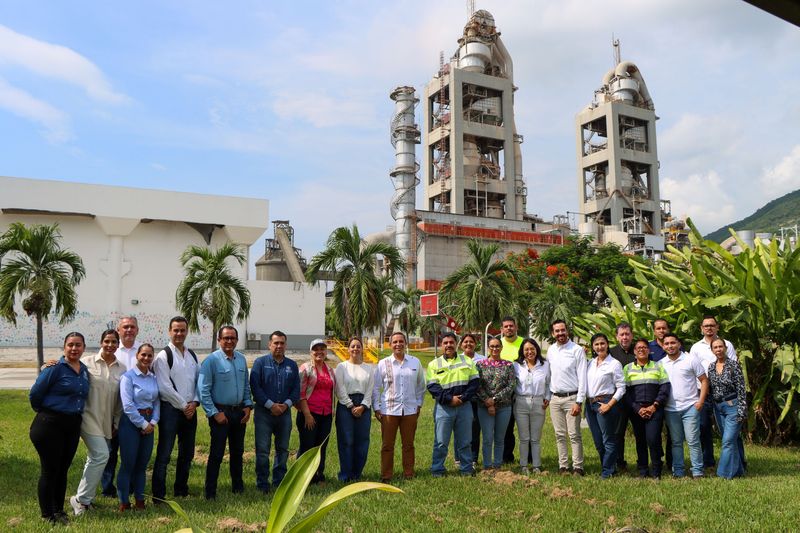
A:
{"x":472,"y":232}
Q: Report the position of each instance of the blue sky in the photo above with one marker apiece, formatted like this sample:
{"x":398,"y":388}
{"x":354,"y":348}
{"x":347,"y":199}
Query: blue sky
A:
{"x":289,"y":101}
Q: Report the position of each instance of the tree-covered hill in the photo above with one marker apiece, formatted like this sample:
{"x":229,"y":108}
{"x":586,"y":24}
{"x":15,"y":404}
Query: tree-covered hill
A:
{"x":781,"y":212}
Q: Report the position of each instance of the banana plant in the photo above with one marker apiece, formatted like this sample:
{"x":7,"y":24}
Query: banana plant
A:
{"x":289,"y":495}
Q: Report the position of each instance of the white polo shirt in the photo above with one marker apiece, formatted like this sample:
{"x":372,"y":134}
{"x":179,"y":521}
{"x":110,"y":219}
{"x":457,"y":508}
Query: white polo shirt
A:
{"x":683,"y":374}
{"x":702,"y":350}
{"x":605,"y":378}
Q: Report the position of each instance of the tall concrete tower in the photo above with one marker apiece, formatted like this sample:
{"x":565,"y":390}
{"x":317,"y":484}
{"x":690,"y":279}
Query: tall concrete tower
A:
{"x":472,"y":159}
{"x":618,"y":163}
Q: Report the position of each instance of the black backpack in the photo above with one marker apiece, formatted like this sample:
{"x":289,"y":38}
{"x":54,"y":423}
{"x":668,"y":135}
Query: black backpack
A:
{"x":168,"y":351}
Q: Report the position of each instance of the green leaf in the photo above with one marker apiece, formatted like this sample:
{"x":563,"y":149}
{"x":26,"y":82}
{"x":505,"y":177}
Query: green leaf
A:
{"x":787,"y":405}
{"x":193,"y":528}
{"x":308,"y":523}
{"x":725,"y":300}
{"x":291,"y":490}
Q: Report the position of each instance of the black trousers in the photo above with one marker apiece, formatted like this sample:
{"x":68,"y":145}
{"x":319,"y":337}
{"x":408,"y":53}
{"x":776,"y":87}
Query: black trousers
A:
{"x":648,"y":439}
{"x":510,"y":442}
{"x":232,"y":433}
{"x":476,"y":432}
{"x":314,"y":437}
{"x":55,"y":437}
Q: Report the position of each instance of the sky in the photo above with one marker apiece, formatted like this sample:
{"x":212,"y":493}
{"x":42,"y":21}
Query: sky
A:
{"x":289,"y":101}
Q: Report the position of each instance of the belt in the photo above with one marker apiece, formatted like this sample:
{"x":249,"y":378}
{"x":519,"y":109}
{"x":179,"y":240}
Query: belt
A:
{"x":222,"y":407}
{"x":565,"y":394}
{"x":145,"y":412}
{"x":602,"y":397}
{"x":729,"y":397}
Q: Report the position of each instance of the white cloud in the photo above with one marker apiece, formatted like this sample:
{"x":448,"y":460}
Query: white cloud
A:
{"x":323,"y":110}
{"x":55,"y":123}
{"x":783,"y":177}
{"x":703,"y":197}
{"x":56,"y":62}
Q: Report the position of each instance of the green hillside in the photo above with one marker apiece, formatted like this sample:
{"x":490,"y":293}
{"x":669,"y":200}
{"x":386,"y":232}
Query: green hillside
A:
{"x":781,"y":212}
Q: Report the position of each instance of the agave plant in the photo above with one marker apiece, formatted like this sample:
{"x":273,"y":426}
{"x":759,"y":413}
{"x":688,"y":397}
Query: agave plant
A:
{"x":289,"y":495}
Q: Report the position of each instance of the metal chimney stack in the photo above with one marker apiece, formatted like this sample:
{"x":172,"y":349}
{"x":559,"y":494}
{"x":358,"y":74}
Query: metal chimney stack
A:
{"x":405,"y":135}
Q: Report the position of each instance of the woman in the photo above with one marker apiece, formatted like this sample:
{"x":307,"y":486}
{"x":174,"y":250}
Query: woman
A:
{"x":496,"y":392}
{"x":354,"y":383}
{"x":468,"y":344}
{"x":647,"y":385}
{"x":139,"y":392}
{"x":100,"y":417}
{"x":726,"y":382}
{"x":315,"y":409}
{"x":605,"y":387}
{"x":58,"y":396}
{"x":531,"y":399}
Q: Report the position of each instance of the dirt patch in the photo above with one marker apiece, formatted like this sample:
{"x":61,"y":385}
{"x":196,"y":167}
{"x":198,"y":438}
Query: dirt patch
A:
{"x":161,"y":520}
{"x":658,"y":508}
{"x":14,"y":521}
{"x":559,"y":492}
{"x":233,"y":524}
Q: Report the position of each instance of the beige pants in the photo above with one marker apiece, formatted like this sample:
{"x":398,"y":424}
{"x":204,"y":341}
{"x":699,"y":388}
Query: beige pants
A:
{"x":563,"y":424}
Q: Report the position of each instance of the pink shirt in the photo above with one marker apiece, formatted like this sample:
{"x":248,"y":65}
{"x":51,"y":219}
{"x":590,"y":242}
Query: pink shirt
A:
{"x":320,"y":402}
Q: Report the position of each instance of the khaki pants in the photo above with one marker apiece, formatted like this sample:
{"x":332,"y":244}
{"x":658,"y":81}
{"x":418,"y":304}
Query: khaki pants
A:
{"x":563,"y":424}
{"x":408,"y":429}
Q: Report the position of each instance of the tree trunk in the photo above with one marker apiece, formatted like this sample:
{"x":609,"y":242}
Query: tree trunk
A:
{"x":39,"y":344}
{"x":214,"y":339}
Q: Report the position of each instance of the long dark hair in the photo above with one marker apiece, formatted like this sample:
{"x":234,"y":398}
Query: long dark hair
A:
{"x":521,"y":353}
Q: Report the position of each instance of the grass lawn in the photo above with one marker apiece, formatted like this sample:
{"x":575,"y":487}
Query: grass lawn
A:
{"x":768,"y":499}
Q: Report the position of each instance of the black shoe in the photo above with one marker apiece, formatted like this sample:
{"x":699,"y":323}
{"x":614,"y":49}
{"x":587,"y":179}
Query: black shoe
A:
{"x":110,"y":493}
{"x":644,"y":474}
{"x":563,"y":471}
{"x":579,"y":472}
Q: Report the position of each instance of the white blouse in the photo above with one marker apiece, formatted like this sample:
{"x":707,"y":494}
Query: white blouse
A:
{"x":354,"y":379}
{"x":533,"y":382}
{"x":605,"y":378}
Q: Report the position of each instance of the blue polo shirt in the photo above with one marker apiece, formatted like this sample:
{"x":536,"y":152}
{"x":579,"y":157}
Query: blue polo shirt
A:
{"x":223,"y":381}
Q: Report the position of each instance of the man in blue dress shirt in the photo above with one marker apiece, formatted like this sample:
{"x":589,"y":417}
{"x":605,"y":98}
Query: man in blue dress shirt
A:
{"x":275,"y":382}
{"x":224,"y":392}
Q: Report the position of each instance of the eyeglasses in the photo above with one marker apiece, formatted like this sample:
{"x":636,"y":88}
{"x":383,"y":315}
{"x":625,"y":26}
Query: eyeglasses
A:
{"x":230,"y":338}
{"x":709,"y":325}
{"x":640,"y":348}
{"x":495,"y":347}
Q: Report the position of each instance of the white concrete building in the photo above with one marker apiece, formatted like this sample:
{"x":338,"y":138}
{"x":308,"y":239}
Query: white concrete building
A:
{"x":130,"y":241}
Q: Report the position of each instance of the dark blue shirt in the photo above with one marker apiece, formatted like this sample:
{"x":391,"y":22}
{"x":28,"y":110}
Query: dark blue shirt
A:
{"x":273,"y":382}
{"x":657,"y":353}
{"x":59,"y":388}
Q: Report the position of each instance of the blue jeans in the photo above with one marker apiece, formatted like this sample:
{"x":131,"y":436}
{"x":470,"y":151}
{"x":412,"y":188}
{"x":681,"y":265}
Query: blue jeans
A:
{"x":731,"y":456}
{"x":173,"y":424}
{"x":268,"y":426}
{"x":685,"y":424}
{"x":648,"y":438}
{"x":107,"y":481}
{"x":604,"y":433}
{"x":352,"y":439}
{"x":134,"y":453}
{"x":707,"y":433}
{"x":493,"y":430}
{"x":457,"y":421}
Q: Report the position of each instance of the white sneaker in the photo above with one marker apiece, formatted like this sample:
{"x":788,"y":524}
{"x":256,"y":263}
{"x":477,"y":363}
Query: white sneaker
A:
{"x":524,"y":470}
{"x":77,"y":507}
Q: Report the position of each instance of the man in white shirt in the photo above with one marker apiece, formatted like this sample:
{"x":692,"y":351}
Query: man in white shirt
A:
{"x":397,"y":398}
{"x":702,"y":350}
{"x":176,"y":369}
{"x":682,"y":410}
{"x":568,"y":385}
{"x":128,"y":329}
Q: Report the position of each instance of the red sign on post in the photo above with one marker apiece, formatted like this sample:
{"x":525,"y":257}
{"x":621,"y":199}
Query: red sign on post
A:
{"x":429,"y":304}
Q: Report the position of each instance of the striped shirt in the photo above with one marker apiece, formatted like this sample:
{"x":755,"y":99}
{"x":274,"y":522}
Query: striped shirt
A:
{"x":399,"y":386}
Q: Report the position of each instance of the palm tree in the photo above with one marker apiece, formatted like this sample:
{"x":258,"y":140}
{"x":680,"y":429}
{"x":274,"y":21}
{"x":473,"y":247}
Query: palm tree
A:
{"x":359,"y":300}
{"x":554,"y":302}
{"x":210,"y":290}
{"x":478,"y":291}
{"x":33,"y":265}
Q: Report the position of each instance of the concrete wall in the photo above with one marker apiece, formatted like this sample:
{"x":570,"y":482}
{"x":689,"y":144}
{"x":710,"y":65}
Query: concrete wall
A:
{"x":297,"y":309}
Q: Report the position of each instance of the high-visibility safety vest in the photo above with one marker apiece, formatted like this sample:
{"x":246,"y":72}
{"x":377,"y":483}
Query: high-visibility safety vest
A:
{"x":451,"y":373}
{"x":510,"y":351}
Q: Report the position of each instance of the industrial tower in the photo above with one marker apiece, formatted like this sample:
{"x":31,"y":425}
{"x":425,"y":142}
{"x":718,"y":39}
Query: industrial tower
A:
{"x":618,"y":163}
{"x":472,"y":159}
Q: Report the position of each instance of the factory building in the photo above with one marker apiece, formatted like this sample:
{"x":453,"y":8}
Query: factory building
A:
{"x":130,"y":241}
{"x":618,"y":186}
{"x":472,"y":162}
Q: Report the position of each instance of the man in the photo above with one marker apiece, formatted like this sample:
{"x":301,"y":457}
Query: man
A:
{"x":510,"y":352}
{"x":176,"y":370}
{"x":453,"y":382}
{"x":702,"y":350}
{"x":660,"y":328}
{"x":275,"y":382}
{"x":568,"y":385}
{"x":224,"y":391}
{"x":623,"y":352}
{"x":683,"y":407}
{"x":128,"y":329}
{"x":397,"y":400}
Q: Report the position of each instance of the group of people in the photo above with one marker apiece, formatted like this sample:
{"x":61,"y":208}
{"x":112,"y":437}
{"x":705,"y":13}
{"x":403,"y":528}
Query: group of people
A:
{"x":115,"y":399}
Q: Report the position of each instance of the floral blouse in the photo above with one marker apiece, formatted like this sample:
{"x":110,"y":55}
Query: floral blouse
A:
{"x":497,"y":380}
{"x":728,"y":383}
